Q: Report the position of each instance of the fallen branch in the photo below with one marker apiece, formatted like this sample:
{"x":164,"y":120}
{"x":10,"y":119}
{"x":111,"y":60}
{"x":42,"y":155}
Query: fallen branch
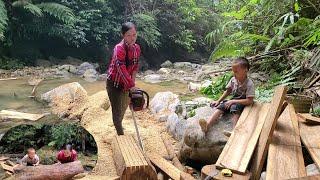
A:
{"x":219,"y":71}
{"x":172,"y":154}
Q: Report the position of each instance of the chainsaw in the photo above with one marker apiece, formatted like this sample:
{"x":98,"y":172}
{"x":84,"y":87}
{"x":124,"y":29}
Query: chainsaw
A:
{"x":137,"y":101}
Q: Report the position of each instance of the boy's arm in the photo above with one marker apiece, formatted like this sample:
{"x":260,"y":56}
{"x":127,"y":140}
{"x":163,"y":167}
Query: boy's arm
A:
{"x":225,"y":94}
{"x":23,"y":160}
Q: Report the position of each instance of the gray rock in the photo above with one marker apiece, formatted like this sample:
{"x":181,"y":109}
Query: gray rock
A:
{"x":263,"y":175}
{"x":83,"y":67}
{"x":153,"y":78}
{"x":102,"y":77}
{"x":90,"y":75}
{"x":200,"y":146}
{"x":194,"y":87}
{"x":73,"y":61}
{"x":164,"y":101}
{"x":67,"y":91}
{"x":69,"y":68}
{"x":182,"y":65}
{"x":148,"y":72}
{"x":312,"y":169}
{"x":164,"y":71}
{"x":166,"y":64}
{"x":43,"y":63}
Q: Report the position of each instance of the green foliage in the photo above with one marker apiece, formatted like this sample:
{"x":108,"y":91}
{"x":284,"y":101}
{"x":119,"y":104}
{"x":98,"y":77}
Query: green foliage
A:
{"x":3,"y":19}
{"x":9,"y":63}
{"x":19,"y":138}
{"x":59,"y":11}
{"x":147,"y":29}
{"x":216,"y":89}
{"x":186,"y":40}
{"x":316,"y":111}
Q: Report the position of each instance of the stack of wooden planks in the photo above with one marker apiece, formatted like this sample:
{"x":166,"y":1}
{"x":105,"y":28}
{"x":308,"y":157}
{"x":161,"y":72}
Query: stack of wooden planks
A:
{"x":129,"y":159}
{"x":274,"y":129}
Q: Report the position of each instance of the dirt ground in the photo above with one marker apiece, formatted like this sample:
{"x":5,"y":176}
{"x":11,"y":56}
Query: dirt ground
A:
{"x":99,"y":123}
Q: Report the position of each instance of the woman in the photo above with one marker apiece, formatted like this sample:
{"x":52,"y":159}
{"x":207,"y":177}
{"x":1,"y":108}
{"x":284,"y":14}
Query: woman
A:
{"x":68,"y":154}
{"x":121,"y":73}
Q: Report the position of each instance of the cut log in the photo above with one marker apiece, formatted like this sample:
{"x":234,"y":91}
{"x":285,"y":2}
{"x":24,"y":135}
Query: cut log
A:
{"x":309,"y":118}
{"x":262,"y":147}
{"x":168,"y":168}
{"x":285,"y":158}
{"x":310,"y":138}
{"x":216,"y":174}
{"x":129,"y":160}
{"x":19,"y":115}
{"x":55,"y":171}
{"x":242,"y":142}
{"x":6,"y":167}
{"x":172,"y":154}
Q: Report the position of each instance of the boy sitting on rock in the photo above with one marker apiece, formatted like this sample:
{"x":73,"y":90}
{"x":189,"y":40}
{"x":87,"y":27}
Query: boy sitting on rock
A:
{"x":31,"y":158}
{"x":242,"y":90}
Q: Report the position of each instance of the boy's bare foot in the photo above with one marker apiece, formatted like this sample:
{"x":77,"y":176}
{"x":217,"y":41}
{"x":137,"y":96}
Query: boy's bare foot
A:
{"x":204,"y":125}
{"x":227,"y":133}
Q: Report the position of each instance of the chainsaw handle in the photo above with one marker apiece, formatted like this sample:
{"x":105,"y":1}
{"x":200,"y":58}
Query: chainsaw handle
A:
{"x":147,"y":97}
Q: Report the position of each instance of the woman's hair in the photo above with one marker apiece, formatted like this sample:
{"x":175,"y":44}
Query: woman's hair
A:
{"x":243,"y":62}
{"x":126,"y":27}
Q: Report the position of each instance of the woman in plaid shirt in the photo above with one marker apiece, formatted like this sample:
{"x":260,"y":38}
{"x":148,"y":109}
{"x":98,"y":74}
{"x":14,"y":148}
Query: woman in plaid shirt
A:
{"x":121,"y":73}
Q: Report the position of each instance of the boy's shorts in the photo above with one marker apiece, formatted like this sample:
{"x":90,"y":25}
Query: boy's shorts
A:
{"x":236,"y":108}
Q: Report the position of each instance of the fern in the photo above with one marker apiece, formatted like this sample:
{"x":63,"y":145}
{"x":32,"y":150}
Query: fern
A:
{"x":33,"y":9}
{"x":3,"y":19}
{"x":59,"y":11}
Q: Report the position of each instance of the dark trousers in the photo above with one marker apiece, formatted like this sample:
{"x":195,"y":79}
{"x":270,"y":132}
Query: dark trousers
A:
{"x":119,"y":101}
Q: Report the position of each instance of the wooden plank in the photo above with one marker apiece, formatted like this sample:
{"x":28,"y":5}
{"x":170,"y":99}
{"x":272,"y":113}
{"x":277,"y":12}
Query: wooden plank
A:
{"x":311,"y":139}
{"x":241,"y":144}
{"x":129,"y":160}
{"x":19,"y":115}
{"x":6,"y":167}
{"x":216,"y":173}
{"x":267,"y":131}
{"x":167,"y":167}
{"x":309,"y":118}
{"x":285,"y":158}
{"x":3,"y":158}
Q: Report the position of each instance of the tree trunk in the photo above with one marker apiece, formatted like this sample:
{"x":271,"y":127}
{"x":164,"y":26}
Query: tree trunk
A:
{"x":55,"y":171}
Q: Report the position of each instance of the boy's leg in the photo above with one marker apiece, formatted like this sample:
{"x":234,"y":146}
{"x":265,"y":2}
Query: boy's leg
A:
{"x":236,"y":110}
{"x":205,"y":125}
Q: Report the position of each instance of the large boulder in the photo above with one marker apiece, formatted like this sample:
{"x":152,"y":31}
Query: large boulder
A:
{"x":163,"y":104}
{"x":90,"y":75}
{"x":167,"y":64}
{"x":69,"y":68}
{"x":204,"y":147}
{"x":62,"y":97}
{"x":83,"y":67}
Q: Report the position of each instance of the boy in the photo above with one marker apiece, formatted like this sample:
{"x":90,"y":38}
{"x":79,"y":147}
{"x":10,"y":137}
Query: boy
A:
{"x":242,"y":90}
{"x":31,"y":158}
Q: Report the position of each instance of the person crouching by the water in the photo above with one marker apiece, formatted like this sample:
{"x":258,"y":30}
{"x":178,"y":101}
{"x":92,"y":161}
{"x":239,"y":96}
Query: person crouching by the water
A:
{"x":31,"y":158}
{"x":121,"y":73}
{"x":68,"y":154}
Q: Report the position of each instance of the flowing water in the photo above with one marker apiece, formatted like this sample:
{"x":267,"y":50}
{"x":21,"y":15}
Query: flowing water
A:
{"x":14,"y":95}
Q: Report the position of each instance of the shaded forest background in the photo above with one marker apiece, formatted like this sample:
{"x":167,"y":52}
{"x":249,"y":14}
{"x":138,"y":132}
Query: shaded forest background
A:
{"x":176,"y":30}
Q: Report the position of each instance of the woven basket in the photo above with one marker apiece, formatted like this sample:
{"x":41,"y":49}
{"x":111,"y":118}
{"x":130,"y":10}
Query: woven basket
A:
{"x":301,"y":103}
